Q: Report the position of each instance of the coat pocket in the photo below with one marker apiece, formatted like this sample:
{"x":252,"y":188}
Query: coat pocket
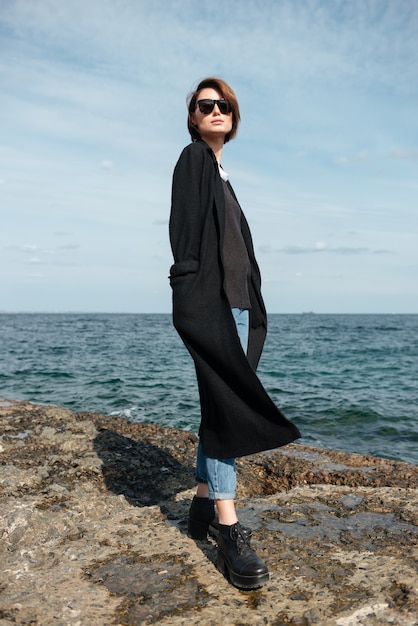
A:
{"x":183,"y":268}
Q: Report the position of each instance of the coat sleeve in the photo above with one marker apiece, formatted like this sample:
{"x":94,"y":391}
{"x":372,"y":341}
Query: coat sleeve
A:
{"x":187,"y":207}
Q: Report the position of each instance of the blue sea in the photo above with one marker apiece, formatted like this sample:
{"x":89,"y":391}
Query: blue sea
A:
{"x":349,"y":382}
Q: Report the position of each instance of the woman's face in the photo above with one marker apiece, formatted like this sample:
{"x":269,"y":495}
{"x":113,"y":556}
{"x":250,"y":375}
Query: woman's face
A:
{"x":214,"y":124}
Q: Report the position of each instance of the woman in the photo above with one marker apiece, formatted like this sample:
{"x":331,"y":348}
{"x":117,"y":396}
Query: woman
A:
{"x":219,"y":313}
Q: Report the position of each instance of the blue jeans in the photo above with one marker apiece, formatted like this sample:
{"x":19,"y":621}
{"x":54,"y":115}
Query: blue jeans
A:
{"x":220,"y":474}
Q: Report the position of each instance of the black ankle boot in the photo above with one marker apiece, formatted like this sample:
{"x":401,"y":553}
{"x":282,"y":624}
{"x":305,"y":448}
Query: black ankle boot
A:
{"x":201,"y":516}
{"x":238,"y":561}
{"x":203,"y":520}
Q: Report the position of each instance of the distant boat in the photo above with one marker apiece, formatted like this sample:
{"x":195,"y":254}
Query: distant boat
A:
{"x":308,"y":312}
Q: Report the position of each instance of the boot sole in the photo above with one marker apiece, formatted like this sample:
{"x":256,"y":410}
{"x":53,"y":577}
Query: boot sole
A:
{"x":238,"y":580}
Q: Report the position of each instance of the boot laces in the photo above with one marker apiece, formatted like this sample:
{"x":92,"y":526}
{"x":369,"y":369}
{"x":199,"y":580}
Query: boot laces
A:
{"x":242,"y":541}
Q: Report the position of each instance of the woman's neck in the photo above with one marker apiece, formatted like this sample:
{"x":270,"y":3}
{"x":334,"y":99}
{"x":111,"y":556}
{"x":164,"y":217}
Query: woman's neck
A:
{"x":216,"y":145}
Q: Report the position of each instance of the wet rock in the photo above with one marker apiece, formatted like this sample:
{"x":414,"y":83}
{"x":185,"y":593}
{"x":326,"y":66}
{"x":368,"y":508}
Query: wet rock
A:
{"x":93,"y":529}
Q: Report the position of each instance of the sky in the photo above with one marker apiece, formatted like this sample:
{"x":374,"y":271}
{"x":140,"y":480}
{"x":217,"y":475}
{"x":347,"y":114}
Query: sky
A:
{"x":325,"y":163}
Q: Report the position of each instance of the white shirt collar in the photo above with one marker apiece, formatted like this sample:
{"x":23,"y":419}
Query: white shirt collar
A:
{"x":222,"y":173}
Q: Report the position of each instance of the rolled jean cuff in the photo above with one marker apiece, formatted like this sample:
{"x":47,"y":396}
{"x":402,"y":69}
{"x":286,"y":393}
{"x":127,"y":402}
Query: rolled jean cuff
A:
{"x":219,"y":474}
{"x":221,"y":496}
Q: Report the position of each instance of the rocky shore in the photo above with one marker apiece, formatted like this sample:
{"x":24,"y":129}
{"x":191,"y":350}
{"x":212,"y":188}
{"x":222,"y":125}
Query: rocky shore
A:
{"x":93,"y":514}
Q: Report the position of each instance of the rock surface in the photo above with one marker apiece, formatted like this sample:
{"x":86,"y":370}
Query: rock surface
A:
{"x":93,"y":516}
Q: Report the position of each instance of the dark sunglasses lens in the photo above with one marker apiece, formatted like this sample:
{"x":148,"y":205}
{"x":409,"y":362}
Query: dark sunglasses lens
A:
{"x":206,"y":106}
{"x":223,"y":106}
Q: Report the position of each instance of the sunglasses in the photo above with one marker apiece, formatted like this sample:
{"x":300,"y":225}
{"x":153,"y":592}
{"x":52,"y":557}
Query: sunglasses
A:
{"x":207,"y":105}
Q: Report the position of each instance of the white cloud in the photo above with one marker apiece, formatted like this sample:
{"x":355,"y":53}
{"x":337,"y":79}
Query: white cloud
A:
{"x":403,"y":154}
{"x":321,"y":249}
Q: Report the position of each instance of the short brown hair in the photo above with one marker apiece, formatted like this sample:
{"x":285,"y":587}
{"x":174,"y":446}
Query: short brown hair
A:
{"x":226,"y":92}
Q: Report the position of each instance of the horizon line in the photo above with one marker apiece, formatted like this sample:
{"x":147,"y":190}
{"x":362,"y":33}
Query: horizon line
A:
{"x":305,"y":313}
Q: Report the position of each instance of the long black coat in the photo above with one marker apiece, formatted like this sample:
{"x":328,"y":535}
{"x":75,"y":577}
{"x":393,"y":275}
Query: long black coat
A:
{"x":237,"y":415}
